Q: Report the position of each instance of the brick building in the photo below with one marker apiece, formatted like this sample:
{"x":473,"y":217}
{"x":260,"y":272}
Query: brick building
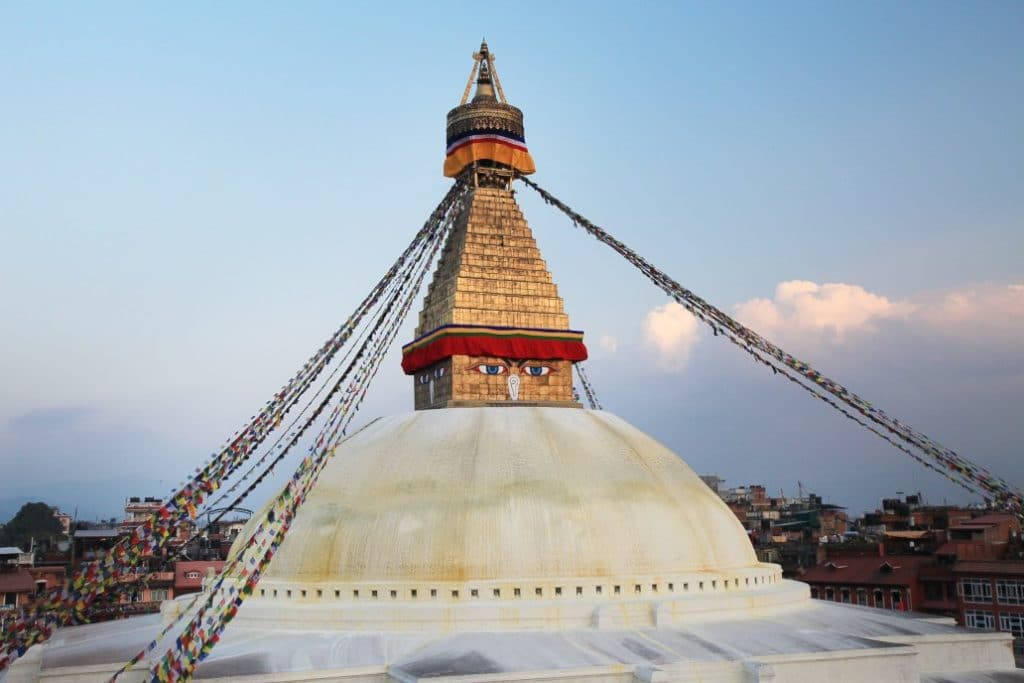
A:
{"x":189,"y":575}
{"x":968,"y":566}
{"x":990,"y":596}
{"x":883,"y":582}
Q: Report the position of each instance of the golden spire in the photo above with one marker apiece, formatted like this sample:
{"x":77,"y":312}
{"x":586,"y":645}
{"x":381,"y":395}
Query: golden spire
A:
{"x":493,"y":329}
{"x":486,"y":128}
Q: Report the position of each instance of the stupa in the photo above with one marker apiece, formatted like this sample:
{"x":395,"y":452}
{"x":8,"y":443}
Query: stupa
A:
{"x":501,"y":532}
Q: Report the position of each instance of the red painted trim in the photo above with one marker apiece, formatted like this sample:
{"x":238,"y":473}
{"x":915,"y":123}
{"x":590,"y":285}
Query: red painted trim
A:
{"x":518,"y":348}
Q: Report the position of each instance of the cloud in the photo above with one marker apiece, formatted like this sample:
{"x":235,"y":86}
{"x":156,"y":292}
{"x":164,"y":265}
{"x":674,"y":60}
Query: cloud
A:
{"x":949,"y":362}
{"x":673,"y":332}
{"x":985,"y":314}
{"x":989,"y":313}
{"x":831,"y":310}
{"x":608,"y":343}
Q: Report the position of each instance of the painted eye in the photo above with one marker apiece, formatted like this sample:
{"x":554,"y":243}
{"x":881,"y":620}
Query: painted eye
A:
{"x":439,"y":373}
{"x":537,"y":370}
{"x":485,"y":369}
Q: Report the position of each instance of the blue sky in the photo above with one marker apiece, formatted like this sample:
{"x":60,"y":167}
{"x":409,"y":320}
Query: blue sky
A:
{"x":192,"y":196}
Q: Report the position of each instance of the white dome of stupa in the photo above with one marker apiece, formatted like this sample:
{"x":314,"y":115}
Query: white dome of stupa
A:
{"x":498,"y":494}
{"x":541,"y":511}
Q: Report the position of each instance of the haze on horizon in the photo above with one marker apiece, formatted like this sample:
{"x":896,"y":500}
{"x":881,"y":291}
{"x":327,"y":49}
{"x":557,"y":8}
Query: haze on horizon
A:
{"x":193,"y":197}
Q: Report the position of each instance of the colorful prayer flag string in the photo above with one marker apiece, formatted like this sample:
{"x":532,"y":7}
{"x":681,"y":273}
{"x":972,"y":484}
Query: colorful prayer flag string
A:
{"x":71,"y":604}
{"x":924,"y":450}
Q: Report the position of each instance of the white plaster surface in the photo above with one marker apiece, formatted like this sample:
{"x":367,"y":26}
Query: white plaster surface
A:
{"x":819,"y":641}
{"x":507,"y":494}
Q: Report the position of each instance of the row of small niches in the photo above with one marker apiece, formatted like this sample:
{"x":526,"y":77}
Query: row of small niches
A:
{"x":414,"y":593}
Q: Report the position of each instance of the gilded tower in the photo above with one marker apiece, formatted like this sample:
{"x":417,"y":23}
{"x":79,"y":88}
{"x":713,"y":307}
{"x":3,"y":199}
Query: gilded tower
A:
{"x":493,"y":330}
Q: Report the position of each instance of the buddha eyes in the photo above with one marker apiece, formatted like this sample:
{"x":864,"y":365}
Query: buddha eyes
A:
{"x":529,"y":370}
{"x":438,"y":373}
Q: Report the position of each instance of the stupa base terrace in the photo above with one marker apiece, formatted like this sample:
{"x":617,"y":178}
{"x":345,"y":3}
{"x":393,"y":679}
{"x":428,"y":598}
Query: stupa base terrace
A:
{"x":814,"y":641}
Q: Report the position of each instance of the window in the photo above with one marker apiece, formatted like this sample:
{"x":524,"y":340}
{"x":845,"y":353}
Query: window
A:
{"x":879,"y":598}
{"x":192,"y":575}
{"x":977,"y":619}
{"x":1012,"y":623}
{"x":814,"y":591}
{"x":976,"y":590}
{"x":862,"y":596}
{"x":933,"y":591}
{"x":897,"y":599}
{"x":1009,"y":592}
{"x":830,"y":593}
{"x":845,"y":595}
{"x":159,"y":594}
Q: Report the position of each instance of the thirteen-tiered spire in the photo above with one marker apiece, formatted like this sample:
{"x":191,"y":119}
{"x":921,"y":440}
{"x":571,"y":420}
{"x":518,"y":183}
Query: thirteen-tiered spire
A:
{"x":493,"y":330}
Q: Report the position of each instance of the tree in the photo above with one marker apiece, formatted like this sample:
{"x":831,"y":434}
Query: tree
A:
{"x":33,"y":520}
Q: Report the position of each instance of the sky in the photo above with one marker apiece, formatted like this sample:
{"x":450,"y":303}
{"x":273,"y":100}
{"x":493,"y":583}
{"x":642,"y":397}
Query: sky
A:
{"x":194,"y":195}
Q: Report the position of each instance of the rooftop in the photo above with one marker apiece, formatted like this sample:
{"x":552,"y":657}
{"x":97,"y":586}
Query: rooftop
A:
{"x":890,"y":571}
{"x":96,"y":533}
{"x":19,"y":581}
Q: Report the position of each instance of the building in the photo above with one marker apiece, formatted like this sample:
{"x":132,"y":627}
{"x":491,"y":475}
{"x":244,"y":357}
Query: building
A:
{"x":502,"y":533}
{"x":87,"y":544}
{"x":990,"y":596}
{"x":885,"y":582}
{"x":17,"y":586}
{"x":21,"y":582}
{"x":64,"y":519}
{"x":784,"y":530}
{"x":713,"y":481}
{"x":951,"y":562}
{"x":189,"y":575}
